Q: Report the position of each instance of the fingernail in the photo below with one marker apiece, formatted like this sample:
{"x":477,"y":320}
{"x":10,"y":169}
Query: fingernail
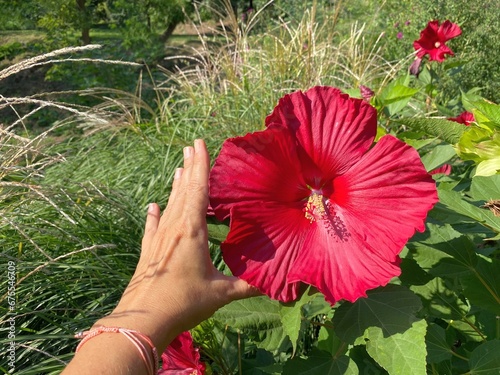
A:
{"x":188,"y":152}
{"x":178,"y":173}
{"x":151,"y":208}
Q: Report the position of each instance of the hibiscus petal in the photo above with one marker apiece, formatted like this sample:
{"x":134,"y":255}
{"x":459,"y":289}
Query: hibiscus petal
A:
{"x":262,"y":245}
{"x":344,"y":128}
{"x":448,"y":30}
{"x":439,"y":54}
{"x":348,"y":269}
{"x":387,"y":195}
{"x":259,"y":167}
{"x":181,"y":357}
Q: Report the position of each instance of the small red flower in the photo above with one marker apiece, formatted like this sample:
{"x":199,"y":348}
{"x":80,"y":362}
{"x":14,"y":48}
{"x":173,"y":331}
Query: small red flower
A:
{"x":433,"y":40}
{"x":464,"y":118}
{"x":311,"y":201}
{"x":181,"y":357}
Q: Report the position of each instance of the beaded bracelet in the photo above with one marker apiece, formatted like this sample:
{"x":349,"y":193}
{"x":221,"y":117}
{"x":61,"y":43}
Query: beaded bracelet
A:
{"x":134,"y":337}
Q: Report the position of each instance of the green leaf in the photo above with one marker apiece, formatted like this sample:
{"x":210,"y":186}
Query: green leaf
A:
{"x":486,"y":113}
{"x":485,"y":188}
{"x":482,"y":287}
{"x":217,"y":231}
{"x":412,"y":273}
{"x":438,"y":156}
{"x":445,"y":130}
{"x":438,"y":349}
{"x":391,"y":308}
{"x":258,"y":315}
{"x":439,"y":301}
{"x":329,"y":342}
{"x":292,"y":316}
{"x":485,"y":359}
{"x":445,"y":253}
{"x":456,"y":202}
{"x":396,"y":97}
{"x":399,"y":353}
{"x":320,"y":362}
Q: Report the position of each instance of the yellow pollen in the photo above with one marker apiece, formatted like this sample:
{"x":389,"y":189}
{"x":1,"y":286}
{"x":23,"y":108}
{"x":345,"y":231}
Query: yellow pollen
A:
{"x":314,"y":206}
{"x":437,"y":44}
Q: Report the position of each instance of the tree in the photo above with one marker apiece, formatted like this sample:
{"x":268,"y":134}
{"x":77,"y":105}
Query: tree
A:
{"x":62,"y":18}
{"x":149,"y":19}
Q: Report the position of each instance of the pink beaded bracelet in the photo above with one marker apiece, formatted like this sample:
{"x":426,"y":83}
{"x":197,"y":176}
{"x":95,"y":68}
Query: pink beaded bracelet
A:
{"x":134,"y":337}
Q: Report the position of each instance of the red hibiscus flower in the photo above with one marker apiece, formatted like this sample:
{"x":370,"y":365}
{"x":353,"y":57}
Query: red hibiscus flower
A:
{"x":464,"y":118}
{"x":311,"y":202}
{"x":433,"y":40}
{"x":181,"y":357}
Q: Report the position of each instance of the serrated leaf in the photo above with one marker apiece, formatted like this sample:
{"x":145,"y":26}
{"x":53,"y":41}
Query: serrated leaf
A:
{"x":259,"y":315}
{"x":291,"y":315}
{"x":484,"y":360}
{"x":456,"y":202}
{"x":399,"y":353}
{"x":320,"y":362}
{"x":391,"y":308}
{"x":438,"y":349}
{"x":439,"y":301}
{"x":445,"y":130}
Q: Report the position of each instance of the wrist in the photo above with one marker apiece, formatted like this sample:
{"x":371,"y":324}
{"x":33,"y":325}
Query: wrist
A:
{"x":160,"y":333}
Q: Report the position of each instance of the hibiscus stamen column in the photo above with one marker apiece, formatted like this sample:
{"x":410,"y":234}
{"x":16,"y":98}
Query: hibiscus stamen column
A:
{"x":319,"y":209}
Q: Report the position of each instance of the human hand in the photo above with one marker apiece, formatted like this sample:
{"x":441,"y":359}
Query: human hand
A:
{"x":175,"y":285}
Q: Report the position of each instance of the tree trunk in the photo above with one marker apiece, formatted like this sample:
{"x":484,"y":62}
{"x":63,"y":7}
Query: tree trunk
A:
{"x":168,"y":32}
{"x":85,"y":28}
{"x":86,"y":36}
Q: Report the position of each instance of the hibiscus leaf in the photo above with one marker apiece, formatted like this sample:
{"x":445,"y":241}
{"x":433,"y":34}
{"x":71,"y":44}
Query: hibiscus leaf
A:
{"x":329,"y":342}
{"x":386,"y":323}
{"x":259,"y":317}
{"x":482,"y":287}
{"x":292,"y":315}
{"x":455,"y":202}
{"x":445,"y":252}
{"x":392,"y":308}
{"x":320,"y":362}
{"x":439,"y":301}
{"x":448,"y":131}
{"x":438,"y":349}
{"x":399,"y":353}
{"x":484,"y":359}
